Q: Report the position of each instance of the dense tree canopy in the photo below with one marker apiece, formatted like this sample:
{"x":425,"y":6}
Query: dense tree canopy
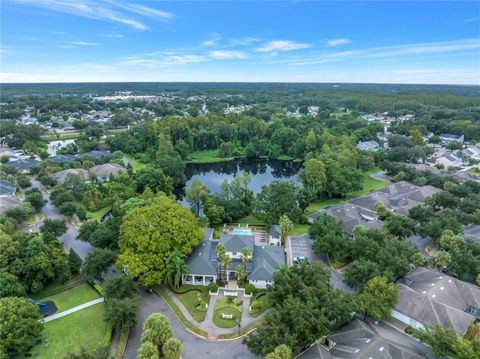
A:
{"x":149,"y":234}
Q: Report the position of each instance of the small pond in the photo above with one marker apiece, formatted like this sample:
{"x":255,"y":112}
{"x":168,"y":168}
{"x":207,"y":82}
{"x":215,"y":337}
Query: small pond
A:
{"x":261,"y":171}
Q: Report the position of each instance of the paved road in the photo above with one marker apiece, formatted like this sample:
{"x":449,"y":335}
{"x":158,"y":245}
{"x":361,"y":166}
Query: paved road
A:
{"x":72,"y":310}
{"x":69,"y":238}
{"x":194,"y":347}
{"x":381,"y":176}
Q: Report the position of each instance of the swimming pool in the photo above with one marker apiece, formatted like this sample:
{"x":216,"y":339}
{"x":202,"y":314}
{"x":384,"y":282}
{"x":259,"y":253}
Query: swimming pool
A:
{"x":242,"y":231}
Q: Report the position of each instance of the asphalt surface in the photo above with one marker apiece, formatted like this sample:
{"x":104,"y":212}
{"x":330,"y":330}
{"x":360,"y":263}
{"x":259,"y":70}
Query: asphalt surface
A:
{"x":193,"y":347}
{"x":68,"y":238}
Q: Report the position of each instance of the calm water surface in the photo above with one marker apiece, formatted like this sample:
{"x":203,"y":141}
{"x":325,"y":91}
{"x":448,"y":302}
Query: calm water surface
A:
{"x":261,"y":171}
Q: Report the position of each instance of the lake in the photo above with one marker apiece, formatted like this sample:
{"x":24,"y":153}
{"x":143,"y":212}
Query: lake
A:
{"x":261,"y":171}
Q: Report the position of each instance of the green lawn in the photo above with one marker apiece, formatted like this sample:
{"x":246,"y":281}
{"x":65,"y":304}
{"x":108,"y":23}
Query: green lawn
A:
{"x":68,"y":334}
{"x":173,"y":307}
{"x":369,"y":184}
{"x":221,"y":306}
{"x":251,"y":220}
{"x":189,"y":296}
{"x":136,"y":164}
{"x":473,"y":170}
{"x":73,"y":297}
{"x":207,"y":156}
{"x":299,"y":229}
{"x":75,"y":134}
{"x":57,"y":287}
{"x":97,"y":215}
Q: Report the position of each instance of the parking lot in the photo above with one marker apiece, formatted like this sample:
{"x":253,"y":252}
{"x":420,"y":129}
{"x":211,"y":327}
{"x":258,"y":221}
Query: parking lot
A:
{"x":300,"y":247}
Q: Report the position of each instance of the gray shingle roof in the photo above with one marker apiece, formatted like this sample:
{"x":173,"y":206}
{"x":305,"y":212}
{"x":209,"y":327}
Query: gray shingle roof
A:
{"x":472,"y":233}
{"x":397,"y":197}
{"x":107,"y":169}
{"x":235,"y":242}
{"x":199,"y":262}
{"x":275,"y":230}
{"x":95,"y":154}
{"x":61,"y":176}
{"x":364,"y":340}
{"x":266,"y":260}
{"x":61,"y":158}
{"x":7,"y":188}
{"x":434,"y":298}
{"x":7,"y":203}
{"x":23,"y":164}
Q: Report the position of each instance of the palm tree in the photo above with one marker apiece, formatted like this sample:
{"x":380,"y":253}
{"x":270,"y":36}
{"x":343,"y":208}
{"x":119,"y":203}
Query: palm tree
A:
{"x":225,"y":262}
{"x":241,"y":273}
{"x":285,"y":226}
{"x":221,"y":252}
{"x":175,"y":269}
{"x":246,"y":255}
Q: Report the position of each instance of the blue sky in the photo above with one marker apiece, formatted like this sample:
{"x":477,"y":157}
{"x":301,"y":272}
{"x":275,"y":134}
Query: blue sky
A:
{"x":291,"y":41}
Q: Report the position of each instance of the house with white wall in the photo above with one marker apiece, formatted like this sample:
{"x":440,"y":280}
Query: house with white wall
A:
{"x":428,"y":297}
{"x":203,"y":262}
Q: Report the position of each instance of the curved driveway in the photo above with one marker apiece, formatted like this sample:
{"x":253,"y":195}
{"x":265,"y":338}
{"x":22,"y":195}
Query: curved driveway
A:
{"x":194,"y":347}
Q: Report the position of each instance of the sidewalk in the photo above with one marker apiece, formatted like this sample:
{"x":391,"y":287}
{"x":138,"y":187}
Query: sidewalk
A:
{"x":72,"y":310}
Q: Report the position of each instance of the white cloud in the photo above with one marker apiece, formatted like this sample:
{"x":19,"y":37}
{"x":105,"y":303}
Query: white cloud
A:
{"x":84,"y":43}
{"x":394,"y":51}
{"x":102,"y":10}
{"x":227,"y":55}
{"x":338,"y":42}
{"x":145,"y":10}
{"x":245,"y":41}
{"x":283,"y":45}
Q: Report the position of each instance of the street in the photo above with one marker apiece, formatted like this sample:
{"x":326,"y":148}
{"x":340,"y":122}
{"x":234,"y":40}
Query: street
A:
{"x":193,"y":347}
{"x":68,"y":238}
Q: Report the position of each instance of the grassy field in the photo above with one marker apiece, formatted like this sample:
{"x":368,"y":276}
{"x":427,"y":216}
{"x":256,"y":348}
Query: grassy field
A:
{"x":136,"y":164}
{"x":473,"y":170}
{"x":369,"y":184}
{"x":222,"y":307}
{"x":207,"y":156}
{"x":75,"y":134}
{"x":68,"y":334}
{"x":56,"y":287}
{"x":190,"y":299}
{"x":299,"y":229}
{"x":97,"y":215}
{"x":73,"y":297}
{"x":251,"y":220}
{"x":171,"y":304}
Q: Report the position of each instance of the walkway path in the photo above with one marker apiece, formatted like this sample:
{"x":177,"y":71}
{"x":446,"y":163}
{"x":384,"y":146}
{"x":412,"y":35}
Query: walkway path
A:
{"x":72,"y":310}
{"x":207,"y":325}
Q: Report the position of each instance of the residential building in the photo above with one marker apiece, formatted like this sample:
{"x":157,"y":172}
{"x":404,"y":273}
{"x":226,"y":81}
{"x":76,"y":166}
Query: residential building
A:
{"x":449,"y":160}
{"x":275,"y":235}
{"x":472,"y":152}
{"x":428,"y":297}
{"x":7,"y":188}
{"x":8,"y":202}
{"x":61,"y":176}
{"x":11,"y":154}
{"x":398,"y":198}
{"x":366,"y":340}
{"x":472,"y":233}
{"x":463,"y":177}
{"x":95,"y":154}
{"x":23,"y":165}
{"x":203,"y":263}
{"x":103,"y":172}
{"x":371,"y":146}
{"x":61,"y":158}
{"x":446,"y":138}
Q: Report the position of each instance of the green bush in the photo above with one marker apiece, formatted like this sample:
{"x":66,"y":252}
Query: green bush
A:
{"x":99,"y":289}
{"x":213,"y":287}
{"x":409,"y":330}
{"x":250,"y":288}
{"x":107,"y":338}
